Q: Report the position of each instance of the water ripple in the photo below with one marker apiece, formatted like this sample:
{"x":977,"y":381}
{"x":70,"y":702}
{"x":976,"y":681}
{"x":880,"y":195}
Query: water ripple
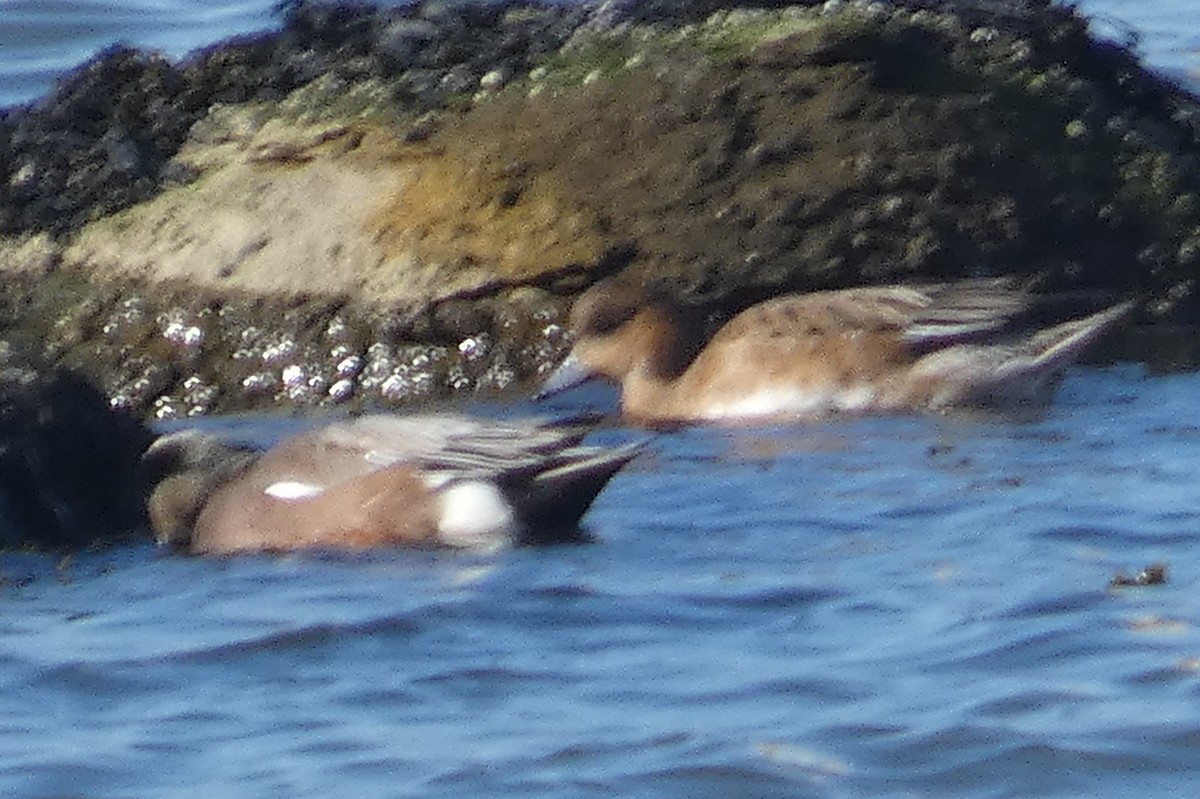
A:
{"x":861,"y":609}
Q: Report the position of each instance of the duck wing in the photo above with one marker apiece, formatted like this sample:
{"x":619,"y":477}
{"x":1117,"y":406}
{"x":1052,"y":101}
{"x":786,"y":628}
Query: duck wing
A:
{"x":923,"y":317}
{"x":463,"y":447}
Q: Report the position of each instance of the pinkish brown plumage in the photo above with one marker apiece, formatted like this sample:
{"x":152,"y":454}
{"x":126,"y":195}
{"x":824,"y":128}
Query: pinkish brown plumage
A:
{"x":431,"y":480}
{"x":805,"y":356}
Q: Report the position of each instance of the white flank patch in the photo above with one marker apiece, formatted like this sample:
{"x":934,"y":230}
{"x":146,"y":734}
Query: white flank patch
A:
{"x":475,"y":515}
{"x":790,"y":402}
{"x":292,"y":490}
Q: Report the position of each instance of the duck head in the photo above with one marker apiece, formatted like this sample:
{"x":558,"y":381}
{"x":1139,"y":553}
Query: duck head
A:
{"x":625,"y":332}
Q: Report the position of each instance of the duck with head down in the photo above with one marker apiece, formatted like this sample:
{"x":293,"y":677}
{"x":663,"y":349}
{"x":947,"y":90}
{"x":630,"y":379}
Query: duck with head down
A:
{"x":806,"y":356}
{"x":431,"y":480}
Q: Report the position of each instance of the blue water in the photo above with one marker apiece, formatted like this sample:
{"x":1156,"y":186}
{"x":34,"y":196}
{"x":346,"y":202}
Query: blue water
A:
{"x":896,"y":607}
{"x":39,"y":39}
{"x":907,"y":607}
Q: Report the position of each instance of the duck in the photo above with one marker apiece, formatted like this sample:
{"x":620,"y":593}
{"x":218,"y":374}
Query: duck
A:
{"x":867,"y":350}
{"x":428,"y":481}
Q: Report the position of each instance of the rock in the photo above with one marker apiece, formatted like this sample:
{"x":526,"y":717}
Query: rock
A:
{"x":69,"y":465}
{"x":411,"y":171}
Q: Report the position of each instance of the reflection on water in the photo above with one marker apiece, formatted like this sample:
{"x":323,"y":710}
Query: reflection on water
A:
{"x":1163,"y":349}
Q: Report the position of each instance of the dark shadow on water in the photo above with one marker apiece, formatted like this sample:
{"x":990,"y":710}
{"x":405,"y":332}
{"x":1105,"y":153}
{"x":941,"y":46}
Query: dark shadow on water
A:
{"x":1163,"y":349}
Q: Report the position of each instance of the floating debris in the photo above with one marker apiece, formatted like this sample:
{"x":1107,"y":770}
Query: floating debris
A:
{"x":1154,"y":574}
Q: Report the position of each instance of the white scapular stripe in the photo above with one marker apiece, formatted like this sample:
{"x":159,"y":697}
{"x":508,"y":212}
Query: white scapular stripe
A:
{"x":292,"y":490}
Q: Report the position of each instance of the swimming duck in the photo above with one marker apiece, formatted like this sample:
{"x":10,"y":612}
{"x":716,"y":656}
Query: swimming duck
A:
{"x":806,"y":356}
{"x":427,"y":481}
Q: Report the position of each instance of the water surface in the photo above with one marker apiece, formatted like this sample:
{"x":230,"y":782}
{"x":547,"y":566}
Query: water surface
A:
{"x":911,"y":606}
{"x":908,"y":607}
{"x":40,"y":39}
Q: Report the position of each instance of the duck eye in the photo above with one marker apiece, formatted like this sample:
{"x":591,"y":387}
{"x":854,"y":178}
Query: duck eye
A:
{"x":609,"y":319}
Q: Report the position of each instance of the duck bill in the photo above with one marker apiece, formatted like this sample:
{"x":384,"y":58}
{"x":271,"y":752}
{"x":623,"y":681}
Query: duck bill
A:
{"x":568,"y":374}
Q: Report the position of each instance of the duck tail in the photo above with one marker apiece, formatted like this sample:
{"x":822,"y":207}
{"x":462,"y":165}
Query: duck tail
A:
{"x":1030,"y":370}
{"x":558,"y":497}
{"x":1057,"y":347}
{"x":1015,"y":371}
